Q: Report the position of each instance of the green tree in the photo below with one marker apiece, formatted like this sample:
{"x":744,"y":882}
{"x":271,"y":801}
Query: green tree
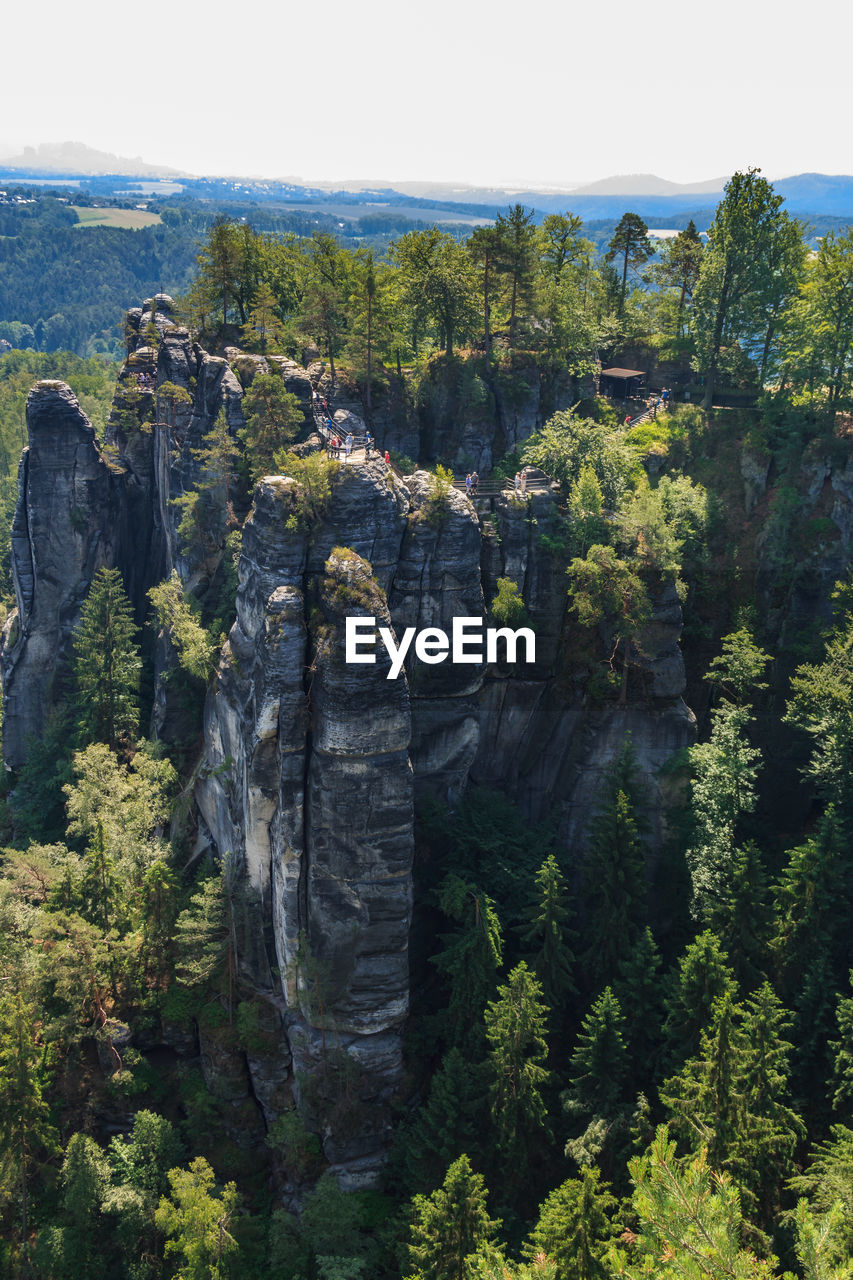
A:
{"x":638,"y":987}
{"x":264,"y":331}
{"x":567,"y":443}
{"x":451,"y":1229}
{"x":740,"y":278}
{"x":703,"y":976}
{"x":842,"y":1074}
{"x":219,"y":267}
{"x":826,"y":1185}
{"x":207,"y":511}
{"x":732,"y":1098}
{"x":723,"y":790}
{"x":575,"y":1228}
{"x":615,"y":874}
{"x":85,"y":1177}
{"x":817,"y":364}
{"x":822,"y":697}
{"x":609,"y":591}
{"x":588,"y":526}
{"x":438,"y":285}
{"x":597,"y":1100}
{"x":483,"y":245}
{"x":106,"y":663}
{"x":515,"y":238}
{"x":679,"y":268}
{"x":599,"y":1064}
{"x":561,"y":243}
{"x":195,"y":1220}
{"x":630,"y":242}
{"x":197,"y":651}
{"x":27,"y":1136}
{"x":738,"y":669}
{"x":273,"y":418}
{"x":470,"y":957}
{"x":451,"y":1123}
{"x":691,"y":1223}
{"x":203,"y":933}
{"x":548,"y":936}
{"x":326,"y":283}
{"x":515,"y":1030}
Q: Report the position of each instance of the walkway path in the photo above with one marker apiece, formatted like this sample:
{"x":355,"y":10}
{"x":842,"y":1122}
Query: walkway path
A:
{"x":537,"y":481}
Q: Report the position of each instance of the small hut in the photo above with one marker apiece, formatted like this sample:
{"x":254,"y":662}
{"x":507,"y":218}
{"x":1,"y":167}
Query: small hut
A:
{"x":621,"y":384}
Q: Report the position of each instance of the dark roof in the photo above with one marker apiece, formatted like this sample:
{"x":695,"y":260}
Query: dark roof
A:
{"x":622,"y":373}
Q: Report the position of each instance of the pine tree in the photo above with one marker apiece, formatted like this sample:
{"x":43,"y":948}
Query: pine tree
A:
{"x":599,"y":1065}
{"x":575,"y":1226}
{"x":813,"y":946}
{"x":723,"y":789}
{"x":273,"y":418}
{"x":452,"y":1122}
{"x":842,"y":1048}
{"x":638,"y":988}
{"x":85,"y":1178}
{"x":732,"y":1098}
{"x":515,"y":259}
{"x":703,"y":976}
{"x":515,"y":1030}
{"x":264,"y":331}
{"x":630,"y":242}
{"x":707,"y":1099}
{"x":776,"y":1127}
{"x":205,"y":943}
{"x":470,"y":959}
{"x":615,"y":876}
{"x":745,"y":917}
{"x":726,"y":879}
{"x":597,"y":1096}
{"x":207,"y":511}
{"x":26,"y":1132}
{"x":548,"y":936}
{"x":452,"y":1230}
{"x":691,"y":1225}
{"x":106,"y":663}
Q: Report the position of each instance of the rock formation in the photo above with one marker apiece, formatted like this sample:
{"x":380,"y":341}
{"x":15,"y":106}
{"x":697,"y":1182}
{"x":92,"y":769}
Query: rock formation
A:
{"x":310,"y":766}
{"x":65,"y":529}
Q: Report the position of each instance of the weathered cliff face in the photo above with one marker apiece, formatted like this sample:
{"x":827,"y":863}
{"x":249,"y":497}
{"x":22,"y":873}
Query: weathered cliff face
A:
{"x":316,"y":806}
{"x":544,"y":739}
{"x":158,"y":432}
{"x":311,"y":765}
{"x":473,"y":420}
{"x":65,"y":528}
{"x":437,"y":579}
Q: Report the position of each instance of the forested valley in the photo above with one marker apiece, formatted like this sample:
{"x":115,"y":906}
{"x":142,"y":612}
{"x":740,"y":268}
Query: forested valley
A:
{"x":629,"y":1042}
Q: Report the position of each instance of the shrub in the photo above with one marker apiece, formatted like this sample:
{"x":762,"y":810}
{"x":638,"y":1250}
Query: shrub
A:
{"x":508,"y":607}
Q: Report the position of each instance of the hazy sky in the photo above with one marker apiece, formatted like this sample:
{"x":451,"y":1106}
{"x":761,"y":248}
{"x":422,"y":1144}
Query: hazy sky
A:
{"x":451,"y":90}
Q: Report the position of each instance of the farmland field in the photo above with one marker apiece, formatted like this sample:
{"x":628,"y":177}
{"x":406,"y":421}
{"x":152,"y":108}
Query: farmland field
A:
{"x":109,"y":217}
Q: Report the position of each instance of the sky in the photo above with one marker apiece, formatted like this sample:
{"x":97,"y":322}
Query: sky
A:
{"x":532,"y":93}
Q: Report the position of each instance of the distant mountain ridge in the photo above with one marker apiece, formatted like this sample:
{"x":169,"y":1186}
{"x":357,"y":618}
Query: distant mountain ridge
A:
{"x":69,"y":158}
{"x":648,"y":184}
{"x":806,"y":194}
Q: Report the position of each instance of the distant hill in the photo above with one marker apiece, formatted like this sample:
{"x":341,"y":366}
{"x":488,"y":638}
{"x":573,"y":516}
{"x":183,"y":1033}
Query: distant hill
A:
{"x":811,"y":196}
{"x":647,"y":184}
{"x":817,"y":193}
{"x":73,"y":158}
